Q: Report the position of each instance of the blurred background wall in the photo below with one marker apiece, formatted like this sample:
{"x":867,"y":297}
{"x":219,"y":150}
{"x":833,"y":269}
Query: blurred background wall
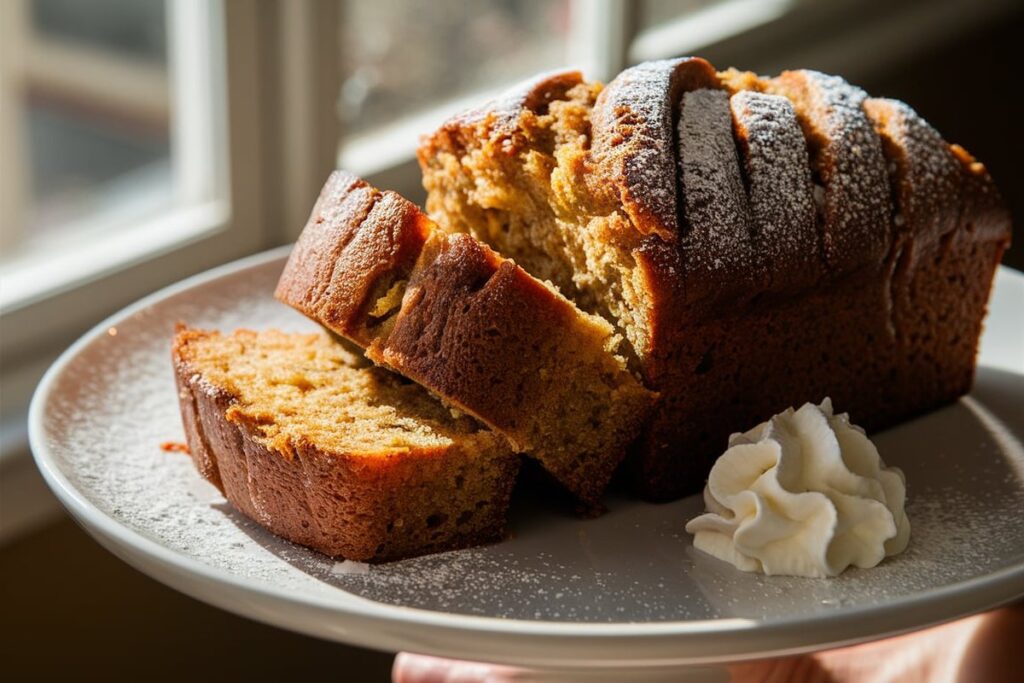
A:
{"x":142,"y":141}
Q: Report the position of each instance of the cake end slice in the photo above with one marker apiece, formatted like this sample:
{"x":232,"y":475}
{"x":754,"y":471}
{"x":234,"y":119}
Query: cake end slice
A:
{"x":350,"y":461}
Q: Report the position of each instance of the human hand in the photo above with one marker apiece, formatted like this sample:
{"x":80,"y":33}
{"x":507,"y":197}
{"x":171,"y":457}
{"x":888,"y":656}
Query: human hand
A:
{"x":980,"y":648}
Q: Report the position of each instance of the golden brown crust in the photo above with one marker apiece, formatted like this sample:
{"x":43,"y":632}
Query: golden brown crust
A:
{"x":357,"y":237}
{"x":499,"y":120}
{"x":479,"y":332}
{"x":346,"y":196}
{"x":367,"y":507}
{"x":500,"y":116}
{"x":465,"y":298}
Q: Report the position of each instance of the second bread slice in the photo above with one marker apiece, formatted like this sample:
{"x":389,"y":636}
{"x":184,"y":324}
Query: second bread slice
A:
{"x":472,"y":327}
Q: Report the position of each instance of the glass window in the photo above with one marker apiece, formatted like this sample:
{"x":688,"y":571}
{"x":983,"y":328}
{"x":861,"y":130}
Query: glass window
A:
{"x":401,"y":56}
{"x":137,"y":28}
{"x":82,"y":164}
{"x":93,"y":120}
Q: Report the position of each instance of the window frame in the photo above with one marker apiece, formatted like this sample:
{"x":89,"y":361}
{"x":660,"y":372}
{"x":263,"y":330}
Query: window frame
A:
{"x":186,"y":95}
{"x":266,"y":180}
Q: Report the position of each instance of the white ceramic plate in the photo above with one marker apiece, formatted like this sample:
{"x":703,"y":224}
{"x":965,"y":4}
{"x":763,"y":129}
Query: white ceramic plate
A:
{"x":624,"y":590}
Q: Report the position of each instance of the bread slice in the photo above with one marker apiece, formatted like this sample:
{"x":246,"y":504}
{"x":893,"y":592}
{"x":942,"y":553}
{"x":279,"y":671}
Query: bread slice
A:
{"x":777,"y":173}
{"x":472,"y":327}
{"x":353,"y":462}
{"x":737,"y":299}
{"x":718,"y":248}
{"x":846,"y":159}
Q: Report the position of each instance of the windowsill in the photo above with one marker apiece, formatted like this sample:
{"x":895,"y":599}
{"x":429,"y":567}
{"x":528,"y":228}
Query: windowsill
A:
{"x":697,"y":30}
{"x":56,"y":265}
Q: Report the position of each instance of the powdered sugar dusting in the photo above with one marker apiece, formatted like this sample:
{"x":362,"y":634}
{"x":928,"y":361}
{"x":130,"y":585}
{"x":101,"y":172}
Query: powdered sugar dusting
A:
{"x":925,"y":172}
{"x":718,"y":240}
{"x":782,"y":198}
{"x":856,"y":211}
{"x":115,"y":404}
{"x":636,"y":107}
{"x":348,"y":567}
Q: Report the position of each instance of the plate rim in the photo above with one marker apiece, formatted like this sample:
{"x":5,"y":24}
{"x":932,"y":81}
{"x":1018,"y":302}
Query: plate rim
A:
{"x":1000,"y":587}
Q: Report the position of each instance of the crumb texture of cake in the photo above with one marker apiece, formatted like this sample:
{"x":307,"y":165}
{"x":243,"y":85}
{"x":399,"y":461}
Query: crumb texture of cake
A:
{"x":758,"y":242}
{"x":351,"y":461}
{"x":446,"y":311}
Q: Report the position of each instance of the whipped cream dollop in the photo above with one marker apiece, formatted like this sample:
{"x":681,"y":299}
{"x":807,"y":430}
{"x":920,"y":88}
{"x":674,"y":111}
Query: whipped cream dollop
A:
{"x":804,"y":494}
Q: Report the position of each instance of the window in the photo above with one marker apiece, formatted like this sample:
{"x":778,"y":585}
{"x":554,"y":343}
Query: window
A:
{"x":668,"y":27}
{"x":110,"y":117}
{"x":400,"y":58}
{"x":96,"y":114}
{"x":407,"y":66}
{"x":114,"y":171}
{"x":657,"y":13}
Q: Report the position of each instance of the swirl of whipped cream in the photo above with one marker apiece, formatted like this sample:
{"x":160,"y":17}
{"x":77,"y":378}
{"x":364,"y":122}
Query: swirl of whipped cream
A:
{"x":804,"y":494}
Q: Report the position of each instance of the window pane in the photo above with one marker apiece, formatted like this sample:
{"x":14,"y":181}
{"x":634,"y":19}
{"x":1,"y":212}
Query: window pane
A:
{"x":85,"y":165}
{"x":401,"y":56}
{"x":136,"y":27}
{"x":654,"y":13}
{"x":95,"y":115}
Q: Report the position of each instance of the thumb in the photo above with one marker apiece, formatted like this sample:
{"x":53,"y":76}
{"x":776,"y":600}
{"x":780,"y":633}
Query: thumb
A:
{"x":413,"y":668}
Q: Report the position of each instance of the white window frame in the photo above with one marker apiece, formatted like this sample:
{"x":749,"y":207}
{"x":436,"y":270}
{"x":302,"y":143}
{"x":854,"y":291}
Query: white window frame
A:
{"x":272,"y":75}
{"x":189,"y":97}
{"x":237,"y":191}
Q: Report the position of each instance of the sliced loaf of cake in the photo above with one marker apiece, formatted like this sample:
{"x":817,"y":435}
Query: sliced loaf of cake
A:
{"x":351,"y":461}
{"x":474,"y":328}
{"x":808,"y":258}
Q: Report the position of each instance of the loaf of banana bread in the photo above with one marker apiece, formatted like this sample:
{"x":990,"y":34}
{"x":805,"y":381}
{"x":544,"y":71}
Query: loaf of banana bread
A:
{"x":351,"y":461}
{"x":758,"y":242}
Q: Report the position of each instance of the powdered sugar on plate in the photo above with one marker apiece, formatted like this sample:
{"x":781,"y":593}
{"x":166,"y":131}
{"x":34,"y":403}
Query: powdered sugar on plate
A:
{"x":348,"y":567}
